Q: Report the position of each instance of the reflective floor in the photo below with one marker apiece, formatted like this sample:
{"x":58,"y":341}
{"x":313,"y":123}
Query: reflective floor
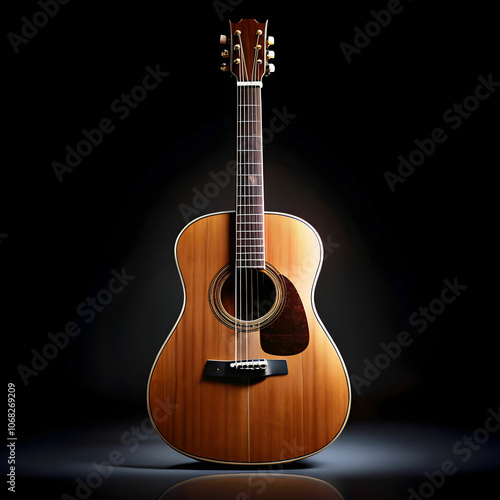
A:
{"x":376,"y":460}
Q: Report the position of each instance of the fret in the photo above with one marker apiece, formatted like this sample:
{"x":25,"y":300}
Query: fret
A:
{"x":250,"y":241}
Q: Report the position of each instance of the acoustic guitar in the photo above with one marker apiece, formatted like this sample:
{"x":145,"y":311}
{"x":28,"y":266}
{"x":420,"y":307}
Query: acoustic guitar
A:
{"x":248,"y":374}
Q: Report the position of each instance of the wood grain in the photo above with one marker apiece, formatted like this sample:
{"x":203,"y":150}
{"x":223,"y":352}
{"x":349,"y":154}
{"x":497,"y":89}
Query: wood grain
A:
{"x":277,"y":419}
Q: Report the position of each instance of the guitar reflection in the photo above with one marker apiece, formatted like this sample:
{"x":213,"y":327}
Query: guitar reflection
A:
{"x":252,"y":486}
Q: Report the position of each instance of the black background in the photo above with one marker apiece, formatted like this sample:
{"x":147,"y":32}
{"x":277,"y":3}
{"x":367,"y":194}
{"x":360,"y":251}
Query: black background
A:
{"x":120,"y":206}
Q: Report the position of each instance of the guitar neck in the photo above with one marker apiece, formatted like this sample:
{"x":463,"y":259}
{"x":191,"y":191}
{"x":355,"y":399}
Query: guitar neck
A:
{"x":250,"y":248}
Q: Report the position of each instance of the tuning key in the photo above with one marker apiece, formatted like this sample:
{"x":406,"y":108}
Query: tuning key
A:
{"x":225,"y":54}
{"x":224,"y":67}
{"x":223,"y":39}
{"x":270,"y":54}
{"x":270,"y":40}
{"x":270,"y":68}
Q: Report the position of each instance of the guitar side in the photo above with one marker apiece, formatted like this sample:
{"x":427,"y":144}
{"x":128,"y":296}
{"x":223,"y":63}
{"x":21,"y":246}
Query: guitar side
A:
{"x":275,"y":419}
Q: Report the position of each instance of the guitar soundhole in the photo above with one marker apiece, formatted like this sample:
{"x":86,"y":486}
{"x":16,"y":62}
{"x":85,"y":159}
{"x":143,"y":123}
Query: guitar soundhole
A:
{"x":260,"y":296}
{"x":256,"y":297}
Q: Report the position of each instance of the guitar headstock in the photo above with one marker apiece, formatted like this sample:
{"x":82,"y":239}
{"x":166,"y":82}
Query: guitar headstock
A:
{"x":248,"y":51}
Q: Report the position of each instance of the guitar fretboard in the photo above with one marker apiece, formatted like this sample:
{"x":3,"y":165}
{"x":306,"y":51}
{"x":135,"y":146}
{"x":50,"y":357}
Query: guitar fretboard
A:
{"x":250,"y":247}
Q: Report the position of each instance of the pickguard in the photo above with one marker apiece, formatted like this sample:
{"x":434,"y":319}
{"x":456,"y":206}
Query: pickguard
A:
{"x":289,"y":333}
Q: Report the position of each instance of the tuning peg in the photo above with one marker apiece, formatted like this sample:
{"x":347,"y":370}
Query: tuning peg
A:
{"x":225,"y":54}
{"x":224,"y":67}
{"x":270,"y":69}
{"x":270,"y":40}
{"x":223,"y":39}
{"x":270,"y":54}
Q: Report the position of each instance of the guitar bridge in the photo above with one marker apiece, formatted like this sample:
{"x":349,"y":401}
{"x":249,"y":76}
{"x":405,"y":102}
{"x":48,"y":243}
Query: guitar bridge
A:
{"x":246,"y":368}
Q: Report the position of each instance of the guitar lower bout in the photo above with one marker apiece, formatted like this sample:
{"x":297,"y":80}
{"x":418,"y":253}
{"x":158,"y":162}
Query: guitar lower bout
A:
{"x":267,"y":386}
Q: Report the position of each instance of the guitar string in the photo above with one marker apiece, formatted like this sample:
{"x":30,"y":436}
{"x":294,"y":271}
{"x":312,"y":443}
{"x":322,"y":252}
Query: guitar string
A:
{"x":241,"y":256}
{"x":250,"y":181}
{"x":236,"y":267}
{"x":251,"y":209}
{"x":258,"y":178}
{"x":237,"y":274}
{"x":254,"y":126}
{"x":248,"y":121}
{"x":245,"y":156}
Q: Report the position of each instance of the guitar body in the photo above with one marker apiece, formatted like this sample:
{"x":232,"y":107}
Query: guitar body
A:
{"x":256,"y":419}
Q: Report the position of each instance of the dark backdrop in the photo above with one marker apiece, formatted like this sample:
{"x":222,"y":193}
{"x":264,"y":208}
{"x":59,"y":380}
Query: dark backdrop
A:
{"x":344,"y":125}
